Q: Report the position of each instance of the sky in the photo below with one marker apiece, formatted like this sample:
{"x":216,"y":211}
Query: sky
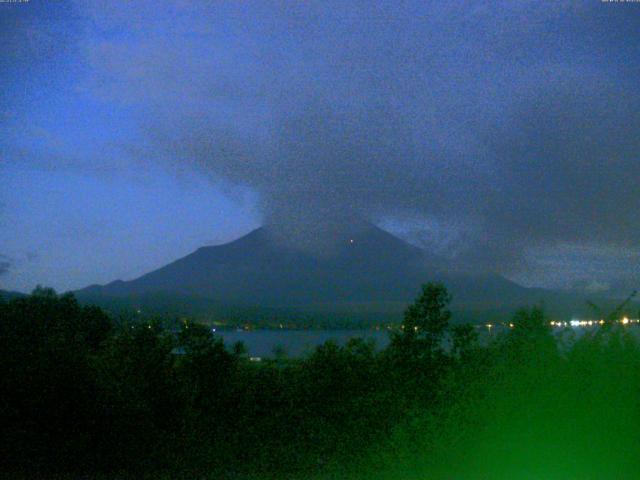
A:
{"x":501,"y":135}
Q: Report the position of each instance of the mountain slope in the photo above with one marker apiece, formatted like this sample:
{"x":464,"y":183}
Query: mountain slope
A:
{"x":369,"y":271}
{"x":9,"y":295}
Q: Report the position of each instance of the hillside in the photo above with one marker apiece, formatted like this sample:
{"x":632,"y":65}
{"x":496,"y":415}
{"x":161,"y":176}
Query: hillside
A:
{"x":369,"y":274}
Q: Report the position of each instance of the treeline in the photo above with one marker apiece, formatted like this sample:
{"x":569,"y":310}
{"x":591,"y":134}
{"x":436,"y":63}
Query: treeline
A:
{"x":170,"y":307}
{"x":86,"y":394}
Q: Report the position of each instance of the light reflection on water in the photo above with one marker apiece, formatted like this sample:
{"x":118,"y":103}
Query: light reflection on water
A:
{"x":297,"y":343}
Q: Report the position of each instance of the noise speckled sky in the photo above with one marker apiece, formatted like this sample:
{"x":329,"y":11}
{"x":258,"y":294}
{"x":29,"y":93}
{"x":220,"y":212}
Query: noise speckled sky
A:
{"x":502,"y":135}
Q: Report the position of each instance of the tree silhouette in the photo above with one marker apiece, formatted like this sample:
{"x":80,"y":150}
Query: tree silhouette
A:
{"x":464,"y":338}
{"x":425,"y":321}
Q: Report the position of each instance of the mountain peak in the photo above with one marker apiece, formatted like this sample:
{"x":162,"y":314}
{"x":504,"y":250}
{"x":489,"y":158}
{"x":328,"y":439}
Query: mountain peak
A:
{"x":332,"y":240}
{"x":313,"y":270}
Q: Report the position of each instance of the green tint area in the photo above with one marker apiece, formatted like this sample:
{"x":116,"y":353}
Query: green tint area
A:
{"x":87,"y":395}
{"x":522,"y":409}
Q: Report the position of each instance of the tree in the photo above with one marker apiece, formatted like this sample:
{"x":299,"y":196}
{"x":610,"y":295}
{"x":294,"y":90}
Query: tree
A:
{"x":464,"y":338}
{"x":425,"y":322}
{"x":205,"y":369}
{"x":239,"y":349}
{"x":530,"y":324}
{"x":47,"y":387}
{"x":531,"y":338}
{"x":279,"y":353}
{"x":137,"y":394}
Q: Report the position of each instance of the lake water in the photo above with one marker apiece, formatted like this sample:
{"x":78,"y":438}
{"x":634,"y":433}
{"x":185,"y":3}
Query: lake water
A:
{"x":296,"y":343}
{"x":261,"y":343}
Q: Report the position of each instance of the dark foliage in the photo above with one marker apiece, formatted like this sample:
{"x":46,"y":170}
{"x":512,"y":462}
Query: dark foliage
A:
{"x":82,"y":394}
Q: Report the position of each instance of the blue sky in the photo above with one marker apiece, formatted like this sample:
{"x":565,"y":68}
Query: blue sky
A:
{"x":502,"y":135}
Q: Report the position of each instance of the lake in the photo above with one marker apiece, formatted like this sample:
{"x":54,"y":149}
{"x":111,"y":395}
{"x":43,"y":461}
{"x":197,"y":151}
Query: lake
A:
{"x":296,"y":343}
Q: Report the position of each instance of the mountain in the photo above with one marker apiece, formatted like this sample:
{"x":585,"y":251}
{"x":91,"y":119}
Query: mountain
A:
{"x":368,"y":273}
{"x":9,"y":295}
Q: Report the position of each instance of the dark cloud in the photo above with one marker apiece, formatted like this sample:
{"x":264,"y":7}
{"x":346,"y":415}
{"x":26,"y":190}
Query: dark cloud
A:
{"x":522,"y":131}
{"x":30,"y":48}
{"x":484,"y":131}
{"x":5,"y":265}
{"x":568,"y":161}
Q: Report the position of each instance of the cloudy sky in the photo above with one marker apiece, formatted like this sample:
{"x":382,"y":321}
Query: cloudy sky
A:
{"x":502,"y":135}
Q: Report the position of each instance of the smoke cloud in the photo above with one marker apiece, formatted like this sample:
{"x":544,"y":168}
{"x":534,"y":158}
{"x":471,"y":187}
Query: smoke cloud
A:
{"x":5,"y":265}
{"x":490,"y":133}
